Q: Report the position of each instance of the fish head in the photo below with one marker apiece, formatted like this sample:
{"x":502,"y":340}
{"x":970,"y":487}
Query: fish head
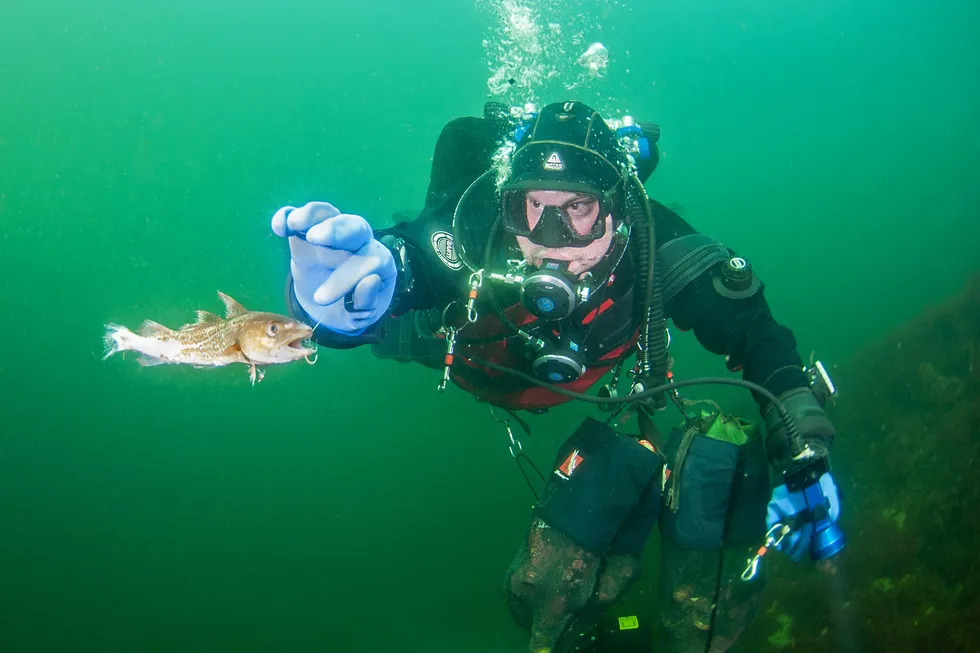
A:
{"x":267,"y":338}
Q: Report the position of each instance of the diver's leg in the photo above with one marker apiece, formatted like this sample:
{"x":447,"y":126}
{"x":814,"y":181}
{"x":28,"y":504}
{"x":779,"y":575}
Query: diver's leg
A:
{"x":705,"y":604}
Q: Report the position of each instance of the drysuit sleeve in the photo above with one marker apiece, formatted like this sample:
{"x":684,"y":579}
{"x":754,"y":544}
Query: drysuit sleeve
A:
{"x":744,"y":330}
{"x":433,"y":270}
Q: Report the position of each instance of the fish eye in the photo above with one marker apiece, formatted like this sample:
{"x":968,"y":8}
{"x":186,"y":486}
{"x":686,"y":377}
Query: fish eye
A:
{"x":272,"y":329}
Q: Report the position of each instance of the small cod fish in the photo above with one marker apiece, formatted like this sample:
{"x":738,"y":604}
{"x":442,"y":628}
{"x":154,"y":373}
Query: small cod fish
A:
{"x":242,"y":336}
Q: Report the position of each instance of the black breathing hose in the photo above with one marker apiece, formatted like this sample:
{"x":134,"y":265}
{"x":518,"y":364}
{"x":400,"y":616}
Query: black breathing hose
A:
{"x":653,"y":329}
{"x":487,"y":260}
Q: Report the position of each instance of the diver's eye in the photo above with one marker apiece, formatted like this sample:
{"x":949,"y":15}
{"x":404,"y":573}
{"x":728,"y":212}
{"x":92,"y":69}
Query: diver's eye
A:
{"x":272,"y":329}
{"x":580,"y":207}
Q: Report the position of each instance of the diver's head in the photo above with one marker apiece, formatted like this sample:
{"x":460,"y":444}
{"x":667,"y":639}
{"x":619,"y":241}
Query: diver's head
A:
{"x":564,"y":196}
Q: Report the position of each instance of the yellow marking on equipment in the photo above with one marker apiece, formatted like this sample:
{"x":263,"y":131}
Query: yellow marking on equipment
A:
{"x":629,"y":623}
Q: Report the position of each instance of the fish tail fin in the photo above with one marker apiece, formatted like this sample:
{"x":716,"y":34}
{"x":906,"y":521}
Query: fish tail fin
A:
{"x":116,"y":339}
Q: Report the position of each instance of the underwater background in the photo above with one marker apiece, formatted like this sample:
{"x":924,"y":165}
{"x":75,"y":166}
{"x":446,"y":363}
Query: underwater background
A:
{"x":347,"y":506}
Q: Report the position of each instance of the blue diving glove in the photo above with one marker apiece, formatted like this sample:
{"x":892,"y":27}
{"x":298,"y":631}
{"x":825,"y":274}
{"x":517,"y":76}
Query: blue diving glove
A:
{"x":342,"y":276}
{"x":817,"y":504}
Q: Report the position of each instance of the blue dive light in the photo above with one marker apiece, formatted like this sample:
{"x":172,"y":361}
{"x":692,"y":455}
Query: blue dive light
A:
{"x":828,"y":539}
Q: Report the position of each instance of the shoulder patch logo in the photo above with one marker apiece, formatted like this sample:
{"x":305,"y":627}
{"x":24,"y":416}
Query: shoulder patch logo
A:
{"x":554,"y":162}
{"x":445,"y":249}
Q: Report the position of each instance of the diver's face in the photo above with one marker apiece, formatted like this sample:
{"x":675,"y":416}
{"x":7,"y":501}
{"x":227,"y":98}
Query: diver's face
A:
{"x":581,"y":210}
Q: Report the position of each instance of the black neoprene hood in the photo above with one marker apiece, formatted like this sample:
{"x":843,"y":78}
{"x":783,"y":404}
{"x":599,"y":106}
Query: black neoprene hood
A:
{"x":567,"y":147}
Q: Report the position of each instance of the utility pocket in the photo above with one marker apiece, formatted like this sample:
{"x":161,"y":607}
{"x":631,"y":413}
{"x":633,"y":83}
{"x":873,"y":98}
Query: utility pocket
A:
{"x":604,"y":490}
{"x":717,"y":485}
{"x":750,"y":495}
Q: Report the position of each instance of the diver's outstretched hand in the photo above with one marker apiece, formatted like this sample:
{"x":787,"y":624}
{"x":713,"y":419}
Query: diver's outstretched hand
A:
{"x":342,"y":276}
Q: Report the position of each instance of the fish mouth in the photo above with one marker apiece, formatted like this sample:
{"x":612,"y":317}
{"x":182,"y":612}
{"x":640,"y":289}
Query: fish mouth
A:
{"x":303,"y":347}
{"x":301,"y":344}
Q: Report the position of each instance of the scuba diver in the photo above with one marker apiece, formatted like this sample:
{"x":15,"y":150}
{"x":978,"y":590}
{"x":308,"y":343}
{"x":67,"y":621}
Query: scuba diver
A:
{"x":537,"y":267}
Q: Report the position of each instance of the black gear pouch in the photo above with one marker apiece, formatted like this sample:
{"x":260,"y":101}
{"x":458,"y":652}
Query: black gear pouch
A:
{"x":604,"y":491}
{"x":717,"y":486}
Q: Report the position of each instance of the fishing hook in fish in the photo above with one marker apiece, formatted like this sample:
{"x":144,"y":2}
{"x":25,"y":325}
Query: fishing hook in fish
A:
{"x":315,"y":354}
{"x":349,"y":298}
